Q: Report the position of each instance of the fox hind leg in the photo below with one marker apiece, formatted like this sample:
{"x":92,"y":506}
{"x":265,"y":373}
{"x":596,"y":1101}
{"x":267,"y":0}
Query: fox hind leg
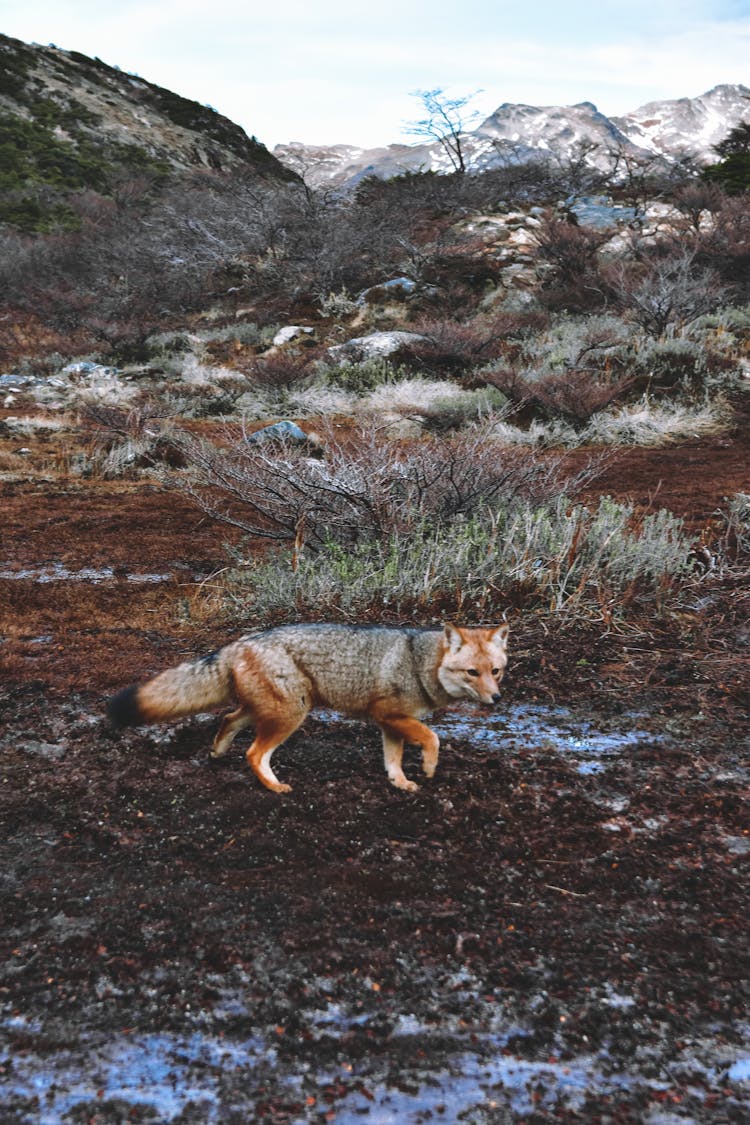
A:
{"x":270,"y":734}
{"x":230,"y":726}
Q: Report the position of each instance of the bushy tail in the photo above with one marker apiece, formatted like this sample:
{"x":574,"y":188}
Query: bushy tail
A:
{"x":188,"y":689}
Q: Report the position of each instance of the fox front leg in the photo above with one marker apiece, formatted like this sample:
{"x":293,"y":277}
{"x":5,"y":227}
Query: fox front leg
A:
{"x":393,"y":749}
{"x":396,"y":731}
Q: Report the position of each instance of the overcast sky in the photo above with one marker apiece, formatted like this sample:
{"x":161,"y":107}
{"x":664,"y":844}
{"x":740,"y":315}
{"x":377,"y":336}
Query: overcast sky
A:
{"x":326,"y":71}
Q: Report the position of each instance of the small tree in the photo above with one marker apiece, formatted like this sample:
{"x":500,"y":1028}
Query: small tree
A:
{"x":736,"y":140}
{"x":445,"y":122}
{"x":732,"y":173}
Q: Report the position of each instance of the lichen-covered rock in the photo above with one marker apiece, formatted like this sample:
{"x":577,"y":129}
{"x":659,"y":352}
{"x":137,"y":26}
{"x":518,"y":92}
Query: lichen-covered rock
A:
{"x":378,"y":345}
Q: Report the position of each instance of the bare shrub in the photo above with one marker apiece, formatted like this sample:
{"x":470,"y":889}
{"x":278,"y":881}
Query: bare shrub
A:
{"x":573,"y":280}
{"x":696,"y":200}
{"x":125,"y":442}
{"x":665,"y":288}
{"x":725,"y":245}
{"x":572,"y":371}
{"x":451,"y":347}
{"x":573,"y":396}
{"x":278,"y":371}
{"x":363,"y":489}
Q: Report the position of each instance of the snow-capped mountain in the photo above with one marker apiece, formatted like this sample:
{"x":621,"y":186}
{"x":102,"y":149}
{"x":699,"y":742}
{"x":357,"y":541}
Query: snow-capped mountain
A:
{"x":684,"y":127}
{"x":687,"y":126}
{"x":555,"y":129}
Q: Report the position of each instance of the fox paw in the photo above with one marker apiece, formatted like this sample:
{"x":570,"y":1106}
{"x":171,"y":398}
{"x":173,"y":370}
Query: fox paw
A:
{"x":404,"y":783}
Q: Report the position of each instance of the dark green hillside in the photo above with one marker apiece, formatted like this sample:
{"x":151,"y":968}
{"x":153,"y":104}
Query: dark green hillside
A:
{"x":69,"y":123}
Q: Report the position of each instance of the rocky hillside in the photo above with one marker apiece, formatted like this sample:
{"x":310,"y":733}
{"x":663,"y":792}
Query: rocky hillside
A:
{"x":669,"y":130}
{"x":69,"y":122}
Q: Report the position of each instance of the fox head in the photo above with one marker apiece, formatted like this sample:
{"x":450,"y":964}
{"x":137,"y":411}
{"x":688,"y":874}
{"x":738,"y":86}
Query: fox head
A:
{"x":473,"y":662}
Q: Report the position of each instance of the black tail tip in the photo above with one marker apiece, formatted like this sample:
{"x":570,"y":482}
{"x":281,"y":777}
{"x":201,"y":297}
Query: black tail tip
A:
{"x":123,"y":709}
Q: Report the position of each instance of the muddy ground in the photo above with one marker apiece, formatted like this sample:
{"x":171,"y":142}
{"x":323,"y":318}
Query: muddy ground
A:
{"x":553,"y":929}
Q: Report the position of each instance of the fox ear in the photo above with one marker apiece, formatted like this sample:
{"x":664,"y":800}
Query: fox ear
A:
{"x":453,"y":637}
{"x":499,"y":635}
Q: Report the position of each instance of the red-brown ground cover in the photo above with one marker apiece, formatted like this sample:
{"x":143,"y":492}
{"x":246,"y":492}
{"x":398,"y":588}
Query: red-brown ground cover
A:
{"x":378,"y":946}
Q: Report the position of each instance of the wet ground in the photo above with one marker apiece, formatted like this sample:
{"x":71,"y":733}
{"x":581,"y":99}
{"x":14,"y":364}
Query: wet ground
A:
{"x":553,"y":929}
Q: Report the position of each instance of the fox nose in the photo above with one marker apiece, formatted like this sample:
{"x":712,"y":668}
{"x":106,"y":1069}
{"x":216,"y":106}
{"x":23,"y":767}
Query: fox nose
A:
{"x":496,"y":697}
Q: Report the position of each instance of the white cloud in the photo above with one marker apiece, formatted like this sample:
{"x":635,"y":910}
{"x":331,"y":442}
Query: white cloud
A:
{"x":337,"y":71}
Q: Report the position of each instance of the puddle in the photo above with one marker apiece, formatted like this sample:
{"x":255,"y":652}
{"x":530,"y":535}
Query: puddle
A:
{"x":147,"y":1070}
{"x":169,"y":1076}
{"x":56,"y":572}
{"x":740,"y":1070}
{"x":591,"y":750}
{"x":537,"y":725}
{"x":168,"y":1073}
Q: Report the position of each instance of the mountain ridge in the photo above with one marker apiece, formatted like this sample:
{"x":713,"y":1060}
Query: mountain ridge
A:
{"x":670,"y":130}
{"x":69,"y":122}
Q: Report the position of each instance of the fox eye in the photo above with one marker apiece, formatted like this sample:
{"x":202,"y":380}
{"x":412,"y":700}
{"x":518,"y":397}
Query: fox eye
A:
{"x":495,"y":671}
{"x":472,"y":672}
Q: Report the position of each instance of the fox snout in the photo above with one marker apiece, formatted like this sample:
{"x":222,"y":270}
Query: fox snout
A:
{"x":492,"y":697}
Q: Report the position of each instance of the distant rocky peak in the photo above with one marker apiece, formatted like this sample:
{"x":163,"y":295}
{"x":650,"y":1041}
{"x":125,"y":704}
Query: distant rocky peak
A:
{"x":671,"y":129}
{"x":687,"y":126}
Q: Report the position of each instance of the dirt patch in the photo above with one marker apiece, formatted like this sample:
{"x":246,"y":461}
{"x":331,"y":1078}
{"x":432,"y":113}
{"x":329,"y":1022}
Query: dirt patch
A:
{"x":693,"y":479}
{"x":523,"y":939}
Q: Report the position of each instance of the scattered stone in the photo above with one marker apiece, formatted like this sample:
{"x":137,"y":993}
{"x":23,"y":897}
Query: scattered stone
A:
{"x":284,"y":431}
{"x":600,"y":212}
{"x":291,"y":332}
{"x":84,"y":367}
{"x":398,"y":288}
{"x":14,"y":382}
{"x":51,"y":751}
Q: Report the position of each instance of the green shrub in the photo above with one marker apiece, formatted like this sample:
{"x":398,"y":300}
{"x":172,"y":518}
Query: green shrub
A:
{"x":243,"y":332}
{"x":359,"y":378}
{"x":738,"y":524}
{"x":163,"y":344}
{"x":443,"y":415}
{"x":690,"y":365}
{"x":732,"y":174}
{"x":554,"y":555}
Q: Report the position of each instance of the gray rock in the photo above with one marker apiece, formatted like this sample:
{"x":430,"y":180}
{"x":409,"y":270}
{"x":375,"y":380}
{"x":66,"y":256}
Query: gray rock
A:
{"x":378,"y":345}
{"x":15,"y":382}
{"x":284,"y":431}
{"x":398,"y":288}
{"x":291,"y":332}
{"x":84,"y":367}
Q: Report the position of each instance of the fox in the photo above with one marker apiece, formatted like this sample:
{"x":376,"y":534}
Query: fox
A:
{"x":272,"y":678}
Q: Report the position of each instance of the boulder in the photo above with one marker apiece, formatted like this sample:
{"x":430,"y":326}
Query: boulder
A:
{"x":378,"y":345}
